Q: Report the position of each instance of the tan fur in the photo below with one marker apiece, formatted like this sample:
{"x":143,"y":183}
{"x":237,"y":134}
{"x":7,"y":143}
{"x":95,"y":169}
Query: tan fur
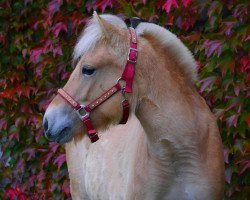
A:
{"x":169,"y":149}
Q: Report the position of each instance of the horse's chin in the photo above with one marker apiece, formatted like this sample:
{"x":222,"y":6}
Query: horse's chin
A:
{"x":62,"y":137}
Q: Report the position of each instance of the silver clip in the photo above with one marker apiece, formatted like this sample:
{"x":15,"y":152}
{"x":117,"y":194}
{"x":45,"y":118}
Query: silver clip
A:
{"x":81,"y":112}
{"x":124,"y":94}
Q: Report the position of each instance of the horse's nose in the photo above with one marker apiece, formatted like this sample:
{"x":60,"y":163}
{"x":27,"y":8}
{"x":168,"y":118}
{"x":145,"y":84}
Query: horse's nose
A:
{"x":45,"y":124}
{"x":57,"y":125}
{"x":46,"y":128}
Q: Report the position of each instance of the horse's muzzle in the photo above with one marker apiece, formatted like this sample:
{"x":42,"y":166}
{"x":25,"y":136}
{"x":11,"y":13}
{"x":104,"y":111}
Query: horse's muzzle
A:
{"x":57,"y":127}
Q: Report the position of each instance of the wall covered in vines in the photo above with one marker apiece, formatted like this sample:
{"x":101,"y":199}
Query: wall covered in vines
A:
{"x":36,"y":41}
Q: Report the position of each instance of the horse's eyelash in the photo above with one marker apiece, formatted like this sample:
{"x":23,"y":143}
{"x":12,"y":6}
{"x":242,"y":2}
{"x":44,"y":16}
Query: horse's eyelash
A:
{"x":88,"y":66}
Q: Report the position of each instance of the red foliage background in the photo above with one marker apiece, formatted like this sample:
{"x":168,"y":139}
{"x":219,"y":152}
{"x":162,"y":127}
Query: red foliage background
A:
{"x":36,"y":41}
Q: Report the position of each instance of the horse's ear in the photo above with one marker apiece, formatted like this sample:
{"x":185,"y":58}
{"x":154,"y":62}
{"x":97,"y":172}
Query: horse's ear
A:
{"x":108,"y":29}
{"x":100,"y":22}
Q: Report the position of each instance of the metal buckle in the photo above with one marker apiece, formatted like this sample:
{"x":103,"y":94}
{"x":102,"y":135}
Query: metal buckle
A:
{"x":81,"y":112}
{"x":136,"y":52}
{"x":124,"y":95}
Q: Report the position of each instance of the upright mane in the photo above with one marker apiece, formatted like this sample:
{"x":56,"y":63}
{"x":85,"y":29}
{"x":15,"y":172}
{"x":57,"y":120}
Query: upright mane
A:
{"x":177,"y":50}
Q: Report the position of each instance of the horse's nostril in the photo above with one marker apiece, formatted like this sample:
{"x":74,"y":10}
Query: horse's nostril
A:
{"x":45,"y":124}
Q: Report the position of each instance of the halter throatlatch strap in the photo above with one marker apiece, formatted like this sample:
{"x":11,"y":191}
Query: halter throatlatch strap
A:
{"x":83,"y":111}
{"x":126,"y":108}
{"x":90,"y":129}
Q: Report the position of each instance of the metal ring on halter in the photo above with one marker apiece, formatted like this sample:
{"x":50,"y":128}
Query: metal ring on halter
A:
{"x":82,"y":112}
{"x":119,"y":80}
{"x":122,"y":88}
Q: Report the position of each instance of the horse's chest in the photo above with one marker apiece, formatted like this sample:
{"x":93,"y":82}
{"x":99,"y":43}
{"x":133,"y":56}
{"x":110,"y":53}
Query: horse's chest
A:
{"x":106,"y":170}
{"x":107,"y":174}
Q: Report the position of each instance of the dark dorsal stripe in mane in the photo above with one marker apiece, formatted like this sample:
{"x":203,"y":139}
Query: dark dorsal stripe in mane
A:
{"x":135,"y":21}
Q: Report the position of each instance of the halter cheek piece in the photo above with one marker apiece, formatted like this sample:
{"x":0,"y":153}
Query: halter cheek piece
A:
{"x":83,"y":111}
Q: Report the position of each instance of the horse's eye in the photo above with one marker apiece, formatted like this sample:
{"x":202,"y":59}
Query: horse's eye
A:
{"x":86,"y":70}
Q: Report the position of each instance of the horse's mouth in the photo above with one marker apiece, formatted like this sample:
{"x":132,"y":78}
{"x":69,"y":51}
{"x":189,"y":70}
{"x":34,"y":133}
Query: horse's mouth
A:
{"x":61,"y":137}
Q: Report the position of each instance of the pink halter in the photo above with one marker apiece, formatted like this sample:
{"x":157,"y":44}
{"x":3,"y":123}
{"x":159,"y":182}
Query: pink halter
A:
{"x":83,"y":111}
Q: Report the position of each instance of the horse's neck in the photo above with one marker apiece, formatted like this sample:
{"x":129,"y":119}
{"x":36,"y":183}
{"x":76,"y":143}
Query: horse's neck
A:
{"x":167,"y":112}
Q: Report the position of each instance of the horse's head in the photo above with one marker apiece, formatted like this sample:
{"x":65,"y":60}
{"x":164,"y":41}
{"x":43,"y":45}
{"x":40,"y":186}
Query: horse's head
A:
{"x":100,"y":55}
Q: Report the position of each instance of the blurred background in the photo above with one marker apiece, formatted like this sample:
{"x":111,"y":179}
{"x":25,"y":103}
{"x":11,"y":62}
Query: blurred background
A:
{"x":36,"y":42}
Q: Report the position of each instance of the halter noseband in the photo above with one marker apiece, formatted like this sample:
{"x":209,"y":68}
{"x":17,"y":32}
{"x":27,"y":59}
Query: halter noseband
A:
{"x":83,"y":111}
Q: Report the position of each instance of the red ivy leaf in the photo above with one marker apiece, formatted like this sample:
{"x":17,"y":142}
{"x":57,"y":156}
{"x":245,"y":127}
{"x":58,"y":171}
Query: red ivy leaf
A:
{"x":2,"y":38}
{"x":103,"y":4}
{"x":36,"y":120}
{"x":20,"y":165}
{"x":244,"y":63}
{"x":16,"y":193}
{"x":9,"y":94}
{"x":35,"y":53}
{"x":248,"y":121}
{"x":39,"y":133}
{"x":3,"y":124}
{"x":65,"y":75}
{"x":169,"y":4}
{"x":199,"y":65}
{"x":212,"y":46}
{"x":246,"y":165}
{"x":187,"y":23}
{"x":227,"y":27}
{"x":57,"y":50}
{"x":22,"y":196}
{"x":26,"y":108}
{"x":20,"y":120}
{"x":58,"y":28}
{"x":186,"y":2}
{"x":40,"y":176}
{"x":31,"y":153}
{"x":232,"y":120}
{"x":53,"y":146}
{"x":247,"y":38}
{"x":14,"y":135}
{"x":60,"y":160}
{"x":47,"y":157}
{"x":27,"y":1}
{"x":54,"y":6}
{"x":11,"y":192}
{"x":237,"y":89}
{"x":66,"y":188}
{"x":207,"y":82}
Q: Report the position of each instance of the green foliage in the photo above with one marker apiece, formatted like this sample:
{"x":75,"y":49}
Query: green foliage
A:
{"x":36,"y":41}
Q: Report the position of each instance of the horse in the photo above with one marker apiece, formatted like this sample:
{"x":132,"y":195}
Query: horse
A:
{"x":170,"y":148}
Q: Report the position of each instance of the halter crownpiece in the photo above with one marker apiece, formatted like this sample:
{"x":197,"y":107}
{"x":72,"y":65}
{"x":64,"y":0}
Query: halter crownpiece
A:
{"x":83,"y":111}
{"x":129,"y":71}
